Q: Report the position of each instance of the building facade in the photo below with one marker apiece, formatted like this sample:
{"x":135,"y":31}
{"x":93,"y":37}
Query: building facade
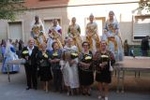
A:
{"x":134,"y":23}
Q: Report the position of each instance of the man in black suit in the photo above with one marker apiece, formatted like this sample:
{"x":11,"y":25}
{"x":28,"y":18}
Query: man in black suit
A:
{"x":29,"y":53}
{"x":145,"y":46}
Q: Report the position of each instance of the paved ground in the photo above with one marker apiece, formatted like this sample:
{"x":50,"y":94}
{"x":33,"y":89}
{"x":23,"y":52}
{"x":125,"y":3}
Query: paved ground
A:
{"x":15,"y":90}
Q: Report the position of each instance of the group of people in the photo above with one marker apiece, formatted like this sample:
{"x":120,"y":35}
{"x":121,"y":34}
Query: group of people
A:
{"x":73,"y":61}
{"x":10,"y":51}
{"x":111,"y":34}
{"x":69,"y":68}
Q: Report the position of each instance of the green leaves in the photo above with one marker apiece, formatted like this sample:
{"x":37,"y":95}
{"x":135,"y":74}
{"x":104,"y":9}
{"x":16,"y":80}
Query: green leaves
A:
{"x":10,"y":8}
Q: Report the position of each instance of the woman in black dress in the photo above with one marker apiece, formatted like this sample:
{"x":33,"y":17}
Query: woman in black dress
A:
{"x":55,"y":56}
{"x":85,"y":69}
{"x":44,"y":66}
{"x":103,"y":60}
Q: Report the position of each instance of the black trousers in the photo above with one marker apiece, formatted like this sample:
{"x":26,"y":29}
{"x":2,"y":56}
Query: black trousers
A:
{"x":31,"y":76}
{"x":57,"y":78}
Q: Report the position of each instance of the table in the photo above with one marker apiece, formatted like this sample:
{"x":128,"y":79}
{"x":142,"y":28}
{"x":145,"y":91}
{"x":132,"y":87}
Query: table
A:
{"x":15,"y":62}
{"x":130,"y":64}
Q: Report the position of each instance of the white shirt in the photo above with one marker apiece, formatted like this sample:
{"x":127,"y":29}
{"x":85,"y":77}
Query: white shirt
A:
{"x":30,"y":50}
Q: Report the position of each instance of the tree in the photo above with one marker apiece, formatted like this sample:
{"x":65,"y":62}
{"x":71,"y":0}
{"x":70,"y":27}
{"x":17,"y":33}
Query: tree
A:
{"x":10,"y":8}
{"x":144,"y":4}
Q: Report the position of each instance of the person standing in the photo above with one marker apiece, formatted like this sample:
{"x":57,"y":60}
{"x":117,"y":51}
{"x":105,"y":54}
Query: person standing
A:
{"x":86,"y":76}
{"x":44,"y":66}
{"x":55,"y":34}
{"x":9,"y":55}
{"x":74,"y":32}
{"x":92,"y":34}
{"x":145,"y":46}
{"x":16,"y":45}
{"x":104,"y":60}
{"x":3,"y":47}
{"x":29,"y":53}
{"x":126,"y":48}
{"x":69,"y":66}
{"x":113,"y":37}
{"x":21,"y":45}
{"x":37,"y":31}
{"x":55,"y":57}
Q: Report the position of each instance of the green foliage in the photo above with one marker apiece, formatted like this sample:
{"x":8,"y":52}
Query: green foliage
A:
{"x":10,"y":8}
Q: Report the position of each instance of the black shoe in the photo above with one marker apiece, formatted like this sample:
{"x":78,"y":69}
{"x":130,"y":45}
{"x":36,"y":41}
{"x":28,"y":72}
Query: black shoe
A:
{"x":83,"y":93}
{"x":89,"y":94}
{"x":28,"y":88}
{"x":35,"y":88}
{"x":60,"y":90}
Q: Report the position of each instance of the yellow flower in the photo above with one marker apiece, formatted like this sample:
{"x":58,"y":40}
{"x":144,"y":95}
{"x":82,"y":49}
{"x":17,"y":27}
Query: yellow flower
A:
{"x":104,"y":56}
{"x":25,"y":52}
{"x":55,"y":54}
{"x":45,"y":55}
{"x":88,"y":57}
{"x":74,"y":54}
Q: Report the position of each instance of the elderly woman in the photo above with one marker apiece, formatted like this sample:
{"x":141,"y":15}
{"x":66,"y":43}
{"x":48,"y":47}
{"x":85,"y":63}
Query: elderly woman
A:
{"x":69,"y":67}
{"x":44,"y":66}
{"x":55,"y":57}
{"x":104,"y":60}
{"x":85,"y":69}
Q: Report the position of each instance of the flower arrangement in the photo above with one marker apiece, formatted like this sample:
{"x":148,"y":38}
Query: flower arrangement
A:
{"x":104,"y":58}
{"x":87,"y":58}
{"x":25,"y":52}
{"x":45,"y":55}
{"x":55,"y":55}
{"x":74,"y":55}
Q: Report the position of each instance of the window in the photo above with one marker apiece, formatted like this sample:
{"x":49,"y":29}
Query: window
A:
{"x":141,"y":27}
{"x":100,"y":22}
{"x":49,"y":23}
{"x":15,"y":30}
